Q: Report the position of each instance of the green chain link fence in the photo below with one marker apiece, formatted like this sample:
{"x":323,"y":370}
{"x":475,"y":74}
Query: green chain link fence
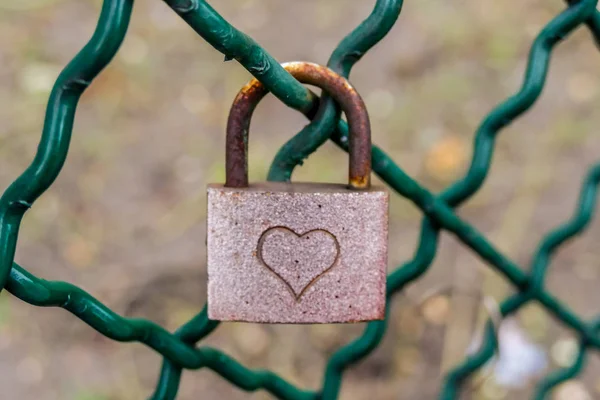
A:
{"x":178,"y":348}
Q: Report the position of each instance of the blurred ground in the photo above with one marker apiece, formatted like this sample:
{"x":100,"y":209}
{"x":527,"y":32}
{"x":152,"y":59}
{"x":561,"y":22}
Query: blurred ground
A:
{"x":125,"y":220}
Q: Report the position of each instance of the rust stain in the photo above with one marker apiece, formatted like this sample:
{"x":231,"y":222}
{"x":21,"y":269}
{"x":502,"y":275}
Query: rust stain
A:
{"x":360,"y":182}
{"x":337,"y":87}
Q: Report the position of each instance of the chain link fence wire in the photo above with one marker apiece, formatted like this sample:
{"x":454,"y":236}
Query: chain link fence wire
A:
{"x":178,"y":349}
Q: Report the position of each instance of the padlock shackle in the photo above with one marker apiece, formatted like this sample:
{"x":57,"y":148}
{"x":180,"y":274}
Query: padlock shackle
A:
{"x":238,"y":123}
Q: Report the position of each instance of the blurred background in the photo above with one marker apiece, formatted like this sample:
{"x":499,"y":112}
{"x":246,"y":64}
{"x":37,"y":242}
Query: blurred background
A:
{"x":126,"y":218}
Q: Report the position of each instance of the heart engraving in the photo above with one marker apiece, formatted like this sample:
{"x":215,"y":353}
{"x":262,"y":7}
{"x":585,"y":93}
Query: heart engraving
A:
{"x":298,"y":260}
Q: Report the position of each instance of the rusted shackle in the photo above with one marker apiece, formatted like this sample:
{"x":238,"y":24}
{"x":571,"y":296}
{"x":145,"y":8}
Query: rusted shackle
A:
{"x":238,"y":124}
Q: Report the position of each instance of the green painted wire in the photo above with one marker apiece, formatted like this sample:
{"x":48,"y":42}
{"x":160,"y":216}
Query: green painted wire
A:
{"x":553,"y":380}
{"x":457,"y":377}
{"x":344,"y":57}
{"x":346,"y":54}
{"x":558,"y":377}
{"x":504,"y":114}
{"x":83,"y":305}
{"x":170,"y":374}
{"x":43,"y":293}
{"x":373,"y":333}
{"x":593,"y":24}
{"x":554,"y":239}
{"x":58,"y":124}
{"x":576,"y":226}
{"x":423,"y":258}
{"x":234,"y":44}
{"x":535,"y":76}
{"x":177,"y":347}
{"x":305,"y":143}
{"x":410,"y":189}
{"x":39,"y":292}
{"x":483,"y":149}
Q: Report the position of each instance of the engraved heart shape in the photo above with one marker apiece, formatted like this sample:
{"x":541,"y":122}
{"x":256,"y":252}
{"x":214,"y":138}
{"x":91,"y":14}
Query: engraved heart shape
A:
{"x":298,"y":260}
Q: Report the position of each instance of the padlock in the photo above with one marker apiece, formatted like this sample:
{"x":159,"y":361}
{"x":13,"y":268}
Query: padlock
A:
{"x":281,"y":252}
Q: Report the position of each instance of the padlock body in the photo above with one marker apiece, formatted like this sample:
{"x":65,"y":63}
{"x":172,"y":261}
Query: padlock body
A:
{"x":297,"y":253}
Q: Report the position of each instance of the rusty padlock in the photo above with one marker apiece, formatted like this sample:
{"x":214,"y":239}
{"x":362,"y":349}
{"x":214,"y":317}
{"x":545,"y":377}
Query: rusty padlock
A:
{"x":281,"y":252}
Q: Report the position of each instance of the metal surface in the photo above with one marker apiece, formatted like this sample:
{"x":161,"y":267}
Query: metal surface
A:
{"x":323,"y":269}
{"x":177,"y":348}
{"x":238,"y":123}
{"x":296,"y":253}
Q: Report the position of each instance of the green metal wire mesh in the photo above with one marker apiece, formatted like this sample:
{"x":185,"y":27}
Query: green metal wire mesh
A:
{"x":178,"y":349}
